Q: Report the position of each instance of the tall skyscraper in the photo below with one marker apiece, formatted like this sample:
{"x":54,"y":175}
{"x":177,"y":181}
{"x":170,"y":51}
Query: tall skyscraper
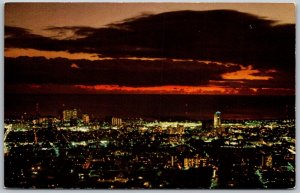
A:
{"x":69,"y":114}
{"x":116,"y":121}
{"x":217,"y":119}
{"x":85,"y":118}
{"x":37,"y":110}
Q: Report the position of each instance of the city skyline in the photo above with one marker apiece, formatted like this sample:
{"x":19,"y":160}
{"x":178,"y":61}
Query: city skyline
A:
{"x":149,"y":96}
{"x":219,"y":49}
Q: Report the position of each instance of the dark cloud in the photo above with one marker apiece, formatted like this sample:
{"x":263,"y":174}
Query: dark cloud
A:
{"x":220,"y":35}
{"x":39,"y":70}
{"x":16,"y":37}
{"x":15,"y":31}
{"x":76,"y":32}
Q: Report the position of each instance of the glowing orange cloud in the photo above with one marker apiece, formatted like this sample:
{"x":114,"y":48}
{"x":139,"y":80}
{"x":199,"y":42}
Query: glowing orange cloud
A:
{"x":74,"y":66}
{"x":16,"y":52}
{"x":246,"y":73}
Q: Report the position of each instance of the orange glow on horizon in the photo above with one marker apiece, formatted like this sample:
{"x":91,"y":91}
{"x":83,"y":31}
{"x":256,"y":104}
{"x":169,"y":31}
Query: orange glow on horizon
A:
{"x":168,"y":89}
{"x":177,"y":89}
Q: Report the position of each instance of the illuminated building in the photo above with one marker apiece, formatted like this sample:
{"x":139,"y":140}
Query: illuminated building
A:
{"x":85,"y":118}
{"x":35,"y":137}
{"x":69,"y":114}
{"x":267,"y":161}
{"x":116,"y":121}
{"x":187,"y":163}
{"x":175,"y":130}
{"x":180,"y":130}
{"x":173,"y":160}
{"x":170,"y":130}
{"x":194,"y":162}
{"x":217,"y":119}
{"x":157,"y":129}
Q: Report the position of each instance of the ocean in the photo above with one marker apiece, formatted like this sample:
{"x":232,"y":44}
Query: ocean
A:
{"x":194,"y":107}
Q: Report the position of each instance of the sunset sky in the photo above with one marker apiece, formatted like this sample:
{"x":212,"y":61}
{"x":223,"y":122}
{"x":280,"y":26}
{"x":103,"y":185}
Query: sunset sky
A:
{"x":150,"y":48}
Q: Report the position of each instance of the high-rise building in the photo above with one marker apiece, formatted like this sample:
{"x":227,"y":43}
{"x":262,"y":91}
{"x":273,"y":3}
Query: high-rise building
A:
{"x":217,"y":119}
{"x":74,"y":114}
{"x":173,"y":159}
{"x":37,"y":110}
{"x":187,"y":163}
{"x":116,"y":121}
{"x":194,"y":162}
{"x":69,"y":114}
{"x":85,"y":118}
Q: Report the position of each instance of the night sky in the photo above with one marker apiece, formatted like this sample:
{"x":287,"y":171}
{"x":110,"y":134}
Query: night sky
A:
{"x":239,"y":49}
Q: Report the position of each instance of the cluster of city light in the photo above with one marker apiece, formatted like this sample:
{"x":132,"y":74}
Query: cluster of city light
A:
{"x":173,"y":145}
{"x":75,"y":128}
{"x":165,"y":124}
